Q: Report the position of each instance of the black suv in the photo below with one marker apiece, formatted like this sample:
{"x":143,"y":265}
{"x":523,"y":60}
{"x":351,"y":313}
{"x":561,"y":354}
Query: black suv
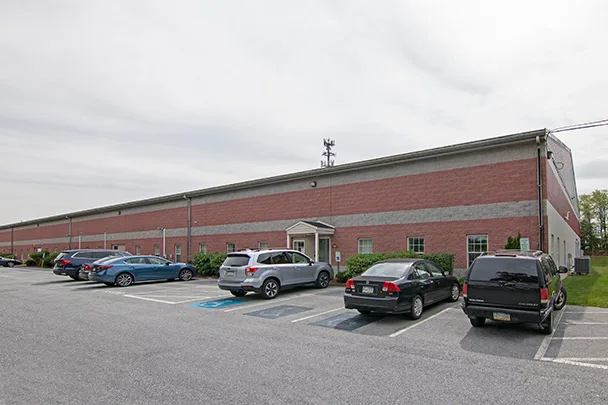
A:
{"x":72,"y":262}
{"x":515,"y":287}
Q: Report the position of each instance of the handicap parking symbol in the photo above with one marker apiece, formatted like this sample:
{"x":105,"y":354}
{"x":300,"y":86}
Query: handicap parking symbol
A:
{"x":219,"y":303}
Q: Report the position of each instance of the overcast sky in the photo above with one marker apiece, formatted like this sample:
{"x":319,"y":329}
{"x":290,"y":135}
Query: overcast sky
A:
{"x":104,"y":102}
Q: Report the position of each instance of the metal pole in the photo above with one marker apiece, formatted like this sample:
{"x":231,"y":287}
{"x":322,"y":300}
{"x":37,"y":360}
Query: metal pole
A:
{"x":316,"y":246}
{"x":79,"y":241}
{"x":12,"y":241}
{"x":189,"y":245}
{"x":105,"y":240}
{"x":164,"y":244}
{"x":70,"y":234}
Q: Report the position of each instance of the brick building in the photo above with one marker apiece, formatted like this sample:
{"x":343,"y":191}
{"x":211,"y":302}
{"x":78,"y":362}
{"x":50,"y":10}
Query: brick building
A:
{"x":462,"y":199}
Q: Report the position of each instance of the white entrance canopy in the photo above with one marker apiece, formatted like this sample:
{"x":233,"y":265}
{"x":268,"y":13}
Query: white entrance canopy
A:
{"x":310,"y":228}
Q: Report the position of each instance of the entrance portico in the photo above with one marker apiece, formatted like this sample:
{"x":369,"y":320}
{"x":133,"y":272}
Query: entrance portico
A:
{"x":313,"y":238}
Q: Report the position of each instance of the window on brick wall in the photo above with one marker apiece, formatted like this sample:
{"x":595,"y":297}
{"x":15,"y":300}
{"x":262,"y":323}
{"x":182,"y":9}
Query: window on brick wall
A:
{"x":263,"y":245}
{"x":476,"y":245}
{"x":230,"y":247}
{"x":137,"y":250}
{"x":178,"y":253}
{"x":365,"y":246}
{"x":156,"y":250}
{"x":202,"y":248}
{"x":415,"y":244}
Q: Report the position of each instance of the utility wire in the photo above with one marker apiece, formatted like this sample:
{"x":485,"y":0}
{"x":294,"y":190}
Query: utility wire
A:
{"x":591,"y":124}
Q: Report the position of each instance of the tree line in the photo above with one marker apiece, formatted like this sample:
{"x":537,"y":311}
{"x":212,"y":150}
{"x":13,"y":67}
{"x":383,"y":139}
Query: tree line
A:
{"x":593,"y":209}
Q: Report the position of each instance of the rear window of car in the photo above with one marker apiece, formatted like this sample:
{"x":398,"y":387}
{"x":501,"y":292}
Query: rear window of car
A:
{"x":236,"y":260}
{"x":61,"y":255}
{"x":388,"y":270}
{"x":504,"y":269}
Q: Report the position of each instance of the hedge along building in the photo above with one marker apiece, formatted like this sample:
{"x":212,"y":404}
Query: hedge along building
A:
{"x":462,"y":199}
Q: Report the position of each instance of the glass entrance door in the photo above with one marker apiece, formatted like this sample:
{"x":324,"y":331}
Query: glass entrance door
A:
{"x":324,"y":250}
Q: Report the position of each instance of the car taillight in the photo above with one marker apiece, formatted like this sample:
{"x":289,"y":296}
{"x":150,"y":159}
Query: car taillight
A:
{"x":544,"y":296}
{"x":465,"y":289}
{"x":104,"y":267}
{"x":64,"y":262}
{"x":249,"y":271}
{"x":350,"y":285}
{"x":390,"y":287}
{"x":87,"y":267}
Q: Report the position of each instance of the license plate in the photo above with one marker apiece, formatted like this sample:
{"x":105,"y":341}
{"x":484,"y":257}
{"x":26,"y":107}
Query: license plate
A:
{"x":367,"y":289}
{"x":229,"y":273}
{"x":502,"y":316}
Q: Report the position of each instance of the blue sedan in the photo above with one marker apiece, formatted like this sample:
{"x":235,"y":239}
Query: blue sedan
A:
{"x":124,"y":271}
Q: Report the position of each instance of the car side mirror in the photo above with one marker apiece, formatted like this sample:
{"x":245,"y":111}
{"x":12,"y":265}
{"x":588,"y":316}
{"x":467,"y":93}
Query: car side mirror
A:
{"x":167,"y":264}
{"x":310,"y":263}
{"x":562,"y":269}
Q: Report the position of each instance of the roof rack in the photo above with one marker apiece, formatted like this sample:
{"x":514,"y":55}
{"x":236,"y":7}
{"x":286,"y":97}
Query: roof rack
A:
{"x":513,"y":252}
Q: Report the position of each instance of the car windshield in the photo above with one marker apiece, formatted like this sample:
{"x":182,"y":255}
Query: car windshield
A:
{"x":388,"y":270}
{"x":504,"y":269}
{"x":236,"y":260}
{"x":105,"y":259}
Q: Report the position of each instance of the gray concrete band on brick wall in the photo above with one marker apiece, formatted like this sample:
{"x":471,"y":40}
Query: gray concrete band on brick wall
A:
{"x":487,"y":151}
{"x":426,"y":215}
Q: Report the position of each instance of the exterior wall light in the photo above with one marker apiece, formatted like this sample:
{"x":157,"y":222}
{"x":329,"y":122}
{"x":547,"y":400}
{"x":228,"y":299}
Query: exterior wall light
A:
{"x":313,"y":184}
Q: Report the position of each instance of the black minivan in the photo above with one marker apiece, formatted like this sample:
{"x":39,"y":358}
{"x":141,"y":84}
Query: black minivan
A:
{"x":71,"y":262}
{"x":514,"y":287}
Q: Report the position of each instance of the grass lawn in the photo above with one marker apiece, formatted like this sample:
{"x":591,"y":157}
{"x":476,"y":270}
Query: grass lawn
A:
{"x":591,"y":290}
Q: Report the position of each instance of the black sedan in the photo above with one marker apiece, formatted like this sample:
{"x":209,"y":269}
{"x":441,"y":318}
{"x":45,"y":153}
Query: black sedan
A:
{"x":398,"y":286}
{"x":7,"y":262}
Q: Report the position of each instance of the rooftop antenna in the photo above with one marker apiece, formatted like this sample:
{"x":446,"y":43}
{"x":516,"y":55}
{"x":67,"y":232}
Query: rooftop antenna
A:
{"x":328,"y":144}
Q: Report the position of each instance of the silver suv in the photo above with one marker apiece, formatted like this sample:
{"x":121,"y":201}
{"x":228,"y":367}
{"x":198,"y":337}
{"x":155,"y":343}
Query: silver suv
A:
{"x":268,"y":271}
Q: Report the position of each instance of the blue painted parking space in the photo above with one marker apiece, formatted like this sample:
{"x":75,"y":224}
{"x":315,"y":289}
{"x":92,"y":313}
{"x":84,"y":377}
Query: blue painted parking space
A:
{"x":278,"y":311}
{"x":224,"y":302}
{"x":348,"y":321}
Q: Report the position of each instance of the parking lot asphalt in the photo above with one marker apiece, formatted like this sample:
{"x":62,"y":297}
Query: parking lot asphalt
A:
{"x":69,"y":342}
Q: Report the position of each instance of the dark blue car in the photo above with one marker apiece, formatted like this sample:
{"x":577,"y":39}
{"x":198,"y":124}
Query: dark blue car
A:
{"x":72,"y":262}
{"x":124,"y":271}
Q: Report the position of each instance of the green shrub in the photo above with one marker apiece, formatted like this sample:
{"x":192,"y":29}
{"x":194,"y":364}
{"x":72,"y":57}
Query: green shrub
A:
{"x":342,"y":276}
{"x":358,"y":264}
{"x":208,"y":264}
{"x":49,"y":259}
{"x":7,"y":255}
{"x":30,"y":263}
{"x":36,"y":258}
{"x":513,"y":242}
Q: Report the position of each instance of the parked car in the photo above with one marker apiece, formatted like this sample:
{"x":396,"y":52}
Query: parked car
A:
{"x":124,"y":271}
{"x":268,"y":271}
{"x":71,"y":262}
{"x":83,"y":273}
{"x":8,"y":262}
{"x":397,"y":286}
{"x":514,"y":287}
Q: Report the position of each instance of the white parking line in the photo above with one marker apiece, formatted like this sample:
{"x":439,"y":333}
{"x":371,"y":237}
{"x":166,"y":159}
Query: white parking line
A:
{"x":399,"y":332}
{"x":540,"y":353}
{"x":312,"y":316}
{"x":267,"y":302}
{"x":204,"y":298}
{"x":587,"y":312}
{"x":585,"y":323}
{"x":581,"y":338}
{"x":148,"y":299}
{"x":575,"y":363}
{"x":583,"y":358}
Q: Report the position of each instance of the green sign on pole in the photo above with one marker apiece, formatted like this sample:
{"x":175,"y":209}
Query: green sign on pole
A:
{"x":524,"y":244}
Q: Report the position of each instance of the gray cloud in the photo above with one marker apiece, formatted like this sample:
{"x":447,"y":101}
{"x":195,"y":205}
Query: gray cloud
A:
{"x":118,"y":100}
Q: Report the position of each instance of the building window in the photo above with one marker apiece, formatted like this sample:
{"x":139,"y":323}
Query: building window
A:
{"x":230,"y":247}
{"x":299,"y":245}
{"x":137,"y":250}
{"x":415,"y":244}
{"x":178,"y":253}
{"x":156,"y":250}
{"x":202,"y":248}
{"x":263,"y":245}
{"x":365,"y":246}
{"x":476,"y":245}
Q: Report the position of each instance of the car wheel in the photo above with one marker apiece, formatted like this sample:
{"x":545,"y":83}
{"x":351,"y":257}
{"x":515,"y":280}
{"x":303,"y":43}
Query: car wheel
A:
{"x":560,"y":301}
{"x":477,"y":321}
{"x":455,"y":292}
{"x":416,"y":307}
{"x":238,"y":293}
{"x":10,"y":264}
{"x":124,"y":280}
{"x":270,"y":288}
{"x":546,"y":327}
{"x":74,"y":278}
{"x":364,"y":311}
{"x":323,"y":279}
{"x":79,"y":274}
{"x":185,"y":275}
